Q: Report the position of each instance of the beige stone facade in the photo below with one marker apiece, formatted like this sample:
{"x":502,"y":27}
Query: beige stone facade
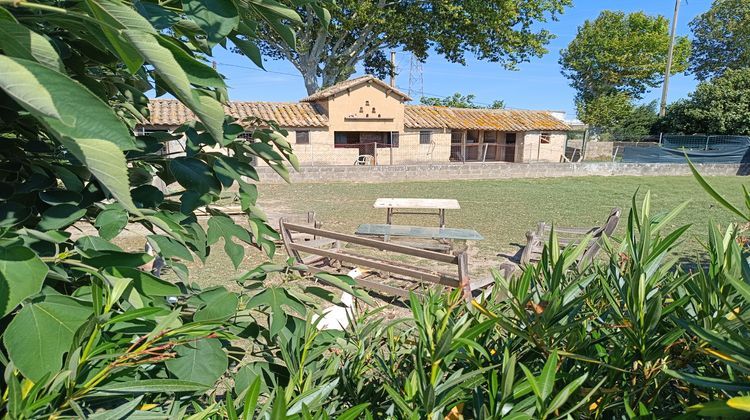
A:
{"x":365,"y":120}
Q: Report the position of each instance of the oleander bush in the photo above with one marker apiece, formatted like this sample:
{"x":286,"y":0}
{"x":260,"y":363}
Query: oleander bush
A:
{"x":87,"y":331}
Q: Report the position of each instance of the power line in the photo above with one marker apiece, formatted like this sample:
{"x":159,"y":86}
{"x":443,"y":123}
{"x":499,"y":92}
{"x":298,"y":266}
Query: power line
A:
{"x":259,"y":69}
{"x":299,"y":75}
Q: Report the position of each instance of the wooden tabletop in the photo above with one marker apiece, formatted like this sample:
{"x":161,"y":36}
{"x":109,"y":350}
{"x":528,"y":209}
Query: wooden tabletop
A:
{"x":419,"y":232}
{"x":416,"y":203}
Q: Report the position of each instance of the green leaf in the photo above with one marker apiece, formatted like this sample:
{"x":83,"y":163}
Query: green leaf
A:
{"x":224,"y":227}
{"x":168,"y":247}
{"x":202,"y":361}
{"x":12,"y":213}
{"x":82,"y":122}
{"x":60,"y":217}
{"x":353,"y":413}
{"x":117,"y":258}
{"x":111,"y":222}
{"x":278,"y":410}
{"x":715,"y":194}
{"x":197,"y":72}
{"x":250,"y":49}
{"x":219,"y":307}
{"x":717,"y":383}
{"x":119,"y":413}
{"x":147,"y":313}
{"x":217,"y":18}
{"x":95,"y":243}
{"x":19,"y":41}
{"x":564,"y":394}
{"x":194,"y":175}
{"x":277,"y":9}
{"x":145,"y":283}
{"x":22,"y":274}
{"x":42,"y":332}
{"x":274,"y":298}
{"x":54,"y":197}
{"x":547,"y":379}
{"x":208,"y":110}
{"x":145,"y":386}
{"x":251,"y":398}
{"x":116,"y":15}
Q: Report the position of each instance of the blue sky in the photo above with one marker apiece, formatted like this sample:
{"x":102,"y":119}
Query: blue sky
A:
{"x":535,"y":85}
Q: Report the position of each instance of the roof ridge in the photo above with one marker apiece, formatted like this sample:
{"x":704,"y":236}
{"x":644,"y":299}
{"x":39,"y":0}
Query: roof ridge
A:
{"x":350,"y":83}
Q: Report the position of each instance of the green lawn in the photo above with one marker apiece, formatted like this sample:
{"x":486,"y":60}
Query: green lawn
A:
{"x":502,"y":210}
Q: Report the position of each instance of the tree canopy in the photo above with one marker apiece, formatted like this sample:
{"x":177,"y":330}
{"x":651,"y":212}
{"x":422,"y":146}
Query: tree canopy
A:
{"x":721,"y":39}
{"x":718,"y":106}
{"x":457,"y":100}
{"x":361,"y":32}
{"x":619,"y":52}
{"x":616,"y":116}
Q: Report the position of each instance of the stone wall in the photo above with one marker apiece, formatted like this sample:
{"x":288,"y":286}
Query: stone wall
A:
{"x":595,"y":150}
{"x":438,"y":172}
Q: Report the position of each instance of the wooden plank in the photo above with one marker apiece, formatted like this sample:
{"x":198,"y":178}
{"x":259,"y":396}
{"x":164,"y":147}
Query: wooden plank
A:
{"x":286,"y":237}
{"x":404,"y":270}
{"x":417,"y":203}
{"x":418,"y":232}
{"x":570,"y":230}
{"x":391,"y":290}
{"x":383,"y":246}
{"x":463,"y":276}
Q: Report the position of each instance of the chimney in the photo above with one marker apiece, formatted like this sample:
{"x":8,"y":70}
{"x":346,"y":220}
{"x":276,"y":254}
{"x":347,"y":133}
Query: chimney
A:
{"x":393,"y":69}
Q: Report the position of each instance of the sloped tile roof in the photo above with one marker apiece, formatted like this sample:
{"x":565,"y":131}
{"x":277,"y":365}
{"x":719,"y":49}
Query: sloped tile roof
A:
{"x":423,"y":116}
{"x":169,"y":112}
{"x":348,"y":84}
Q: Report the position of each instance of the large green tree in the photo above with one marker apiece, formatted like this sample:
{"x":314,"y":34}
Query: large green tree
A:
{"x":718,"y":106}
{"x":616,"y":116}
{"x":721,"y":39}
{"x":619,"y":52}
{"x":457,"y":100}
{"x":361,"y":32}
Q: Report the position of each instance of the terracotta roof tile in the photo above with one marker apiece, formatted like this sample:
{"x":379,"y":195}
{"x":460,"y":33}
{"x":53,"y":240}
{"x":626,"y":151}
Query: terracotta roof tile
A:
{"x":348,"y":84}
{"x":169,"y":112}
{"x":422,"y":116}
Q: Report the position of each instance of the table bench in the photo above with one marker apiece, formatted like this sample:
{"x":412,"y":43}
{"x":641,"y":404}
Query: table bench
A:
{"x":398,"y":205}
{"x":420,"y":232}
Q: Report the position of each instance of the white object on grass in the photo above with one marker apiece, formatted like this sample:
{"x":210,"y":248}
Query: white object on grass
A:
{"x":337,"y":317}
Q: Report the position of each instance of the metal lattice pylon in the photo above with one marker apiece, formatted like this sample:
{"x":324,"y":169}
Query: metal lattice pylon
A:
{"x":416,"y":81}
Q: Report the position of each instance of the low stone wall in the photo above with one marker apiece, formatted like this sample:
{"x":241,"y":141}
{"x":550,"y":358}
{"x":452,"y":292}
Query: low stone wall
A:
{"x":595,"y":150}
{"x":446,"y":172}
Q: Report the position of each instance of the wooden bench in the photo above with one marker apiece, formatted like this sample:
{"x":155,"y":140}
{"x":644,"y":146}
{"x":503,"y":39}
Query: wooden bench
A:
{"x":535,"y":240}
{"x":328,"y":251}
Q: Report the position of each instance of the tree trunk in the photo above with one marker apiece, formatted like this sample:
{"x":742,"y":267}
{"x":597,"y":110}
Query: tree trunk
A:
{"x":311,"y":80}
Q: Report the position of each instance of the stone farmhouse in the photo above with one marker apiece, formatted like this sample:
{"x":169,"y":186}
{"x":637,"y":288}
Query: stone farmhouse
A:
{"x":366,"y":120}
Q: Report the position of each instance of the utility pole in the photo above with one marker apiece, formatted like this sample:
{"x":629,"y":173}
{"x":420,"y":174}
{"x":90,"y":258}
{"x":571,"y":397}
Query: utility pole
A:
{"x":416,"y":79}
{"x":393,"y":69}
{"x":670,"y":54}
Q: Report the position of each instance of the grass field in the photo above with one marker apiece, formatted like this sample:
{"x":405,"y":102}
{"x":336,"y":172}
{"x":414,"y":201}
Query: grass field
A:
{"x":502,"y":211}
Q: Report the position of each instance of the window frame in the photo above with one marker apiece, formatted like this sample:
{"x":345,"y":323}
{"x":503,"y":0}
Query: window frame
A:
{"x":545,"y":138}
{"x":306,"y":136}
{"x":425,"y":137}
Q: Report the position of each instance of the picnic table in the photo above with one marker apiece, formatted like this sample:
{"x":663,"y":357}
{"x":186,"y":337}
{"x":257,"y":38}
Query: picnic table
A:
{"x":407,"y":205}
{"x":458,"y":236}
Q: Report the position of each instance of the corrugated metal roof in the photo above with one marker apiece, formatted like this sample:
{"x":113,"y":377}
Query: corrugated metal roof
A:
{"x":348,"y":84}
{"x":170,"y":112}
{"x":423,"y":116}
